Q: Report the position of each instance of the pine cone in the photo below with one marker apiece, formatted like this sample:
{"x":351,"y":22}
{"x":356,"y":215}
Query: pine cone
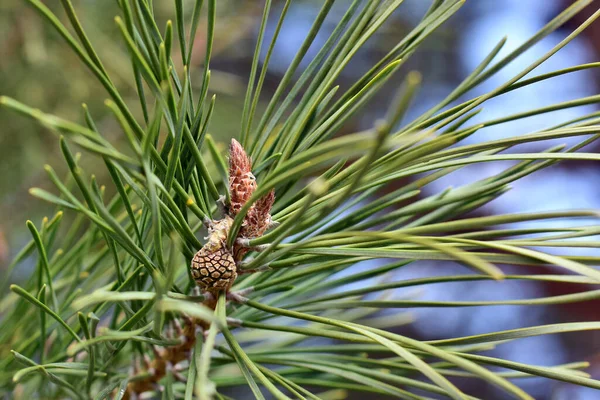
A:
{"x":213,"y":266}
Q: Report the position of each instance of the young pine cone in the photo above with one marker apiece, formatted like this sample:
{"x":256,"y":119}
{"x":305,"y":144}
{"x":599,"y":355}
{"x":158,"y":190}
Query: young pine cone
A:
{"x":213,"y":267}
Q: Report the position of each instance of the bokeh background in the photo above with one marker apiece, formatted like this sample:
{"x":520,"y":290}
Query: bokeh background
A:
{"x":37,"y":68}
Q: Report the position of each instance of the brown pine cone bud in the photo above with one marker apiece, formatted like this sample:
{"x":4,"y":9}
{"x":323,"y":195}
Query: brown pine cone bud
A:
{"x":258,"y":219}
{"x":242,"y":183}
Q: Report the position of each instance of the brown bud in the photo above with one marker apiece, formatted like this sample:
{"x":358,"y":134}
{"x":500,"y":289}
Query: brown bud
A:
{"x":258,"y":219}
{"x":242,"y":185}
{"x":241,"y":181}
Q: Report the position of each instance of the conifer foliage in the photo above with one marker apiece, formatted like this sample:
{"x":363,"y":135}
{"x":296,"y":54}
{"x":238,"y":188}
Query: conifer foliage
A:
{"x":181,"y":278}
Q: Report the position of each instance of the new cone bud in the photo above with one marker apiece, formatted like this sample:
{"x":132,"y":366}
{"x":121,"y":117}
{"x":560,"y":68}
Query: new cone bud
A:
{"x":242,"y":185}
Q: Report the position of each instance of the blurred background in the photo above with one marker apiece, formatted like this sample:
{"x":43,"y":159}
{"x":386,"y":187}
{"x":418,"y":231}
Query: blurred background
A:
{"x":37,"y":68}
